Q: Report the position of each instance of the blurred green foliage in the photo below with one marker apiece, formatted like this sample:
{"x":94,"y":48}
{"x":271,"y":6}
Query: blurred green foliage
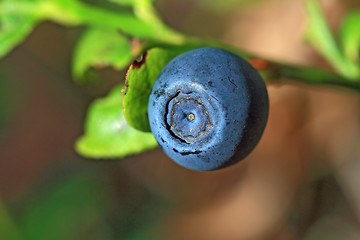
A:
{"x":350,"y":36}
{"x":8,"y":229}
{"x":131,"y":2}
{"x":73,"y":210}
{"x":225,"y":6}
{"x":323,"y":40}
{"x":78,"y":206}
{"x":17,"y":21}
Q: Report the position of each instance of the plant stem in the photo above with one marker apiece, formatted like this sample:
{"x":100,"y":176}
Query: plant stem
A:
{"x":144,"y":26}
{"x":313,"y":76}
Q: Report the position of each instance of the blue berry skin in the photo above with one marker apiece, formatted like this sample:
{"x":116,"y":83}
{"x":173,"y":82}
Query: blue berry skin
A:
{"x":208,"y":109}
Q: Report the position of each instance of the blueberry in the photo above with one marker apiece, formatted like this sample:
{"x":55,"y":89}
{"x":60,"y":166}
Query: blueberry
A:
{"x":208,"y":109}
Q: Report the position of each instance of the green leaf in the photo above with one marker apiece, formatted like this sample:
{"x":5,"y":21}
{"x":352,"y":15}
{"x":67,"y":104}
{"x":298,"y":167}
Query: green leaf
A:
{"x":101,"y":48}
{"x":73,"y":210}
{"x":320,"y":36}
{"x":139,"y":81}
{"x":350,"y":36}
{"x":107,"y":134}
{"x":16,"y":23}
{"x":19,"y":17}
{"x":8,"y":229}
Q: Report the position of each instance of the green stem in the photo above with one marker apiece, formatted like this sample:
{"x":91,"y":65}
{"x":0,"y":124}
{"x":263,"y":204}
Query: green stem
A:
{"x":312,"y":76}
{"x":84,"y":14}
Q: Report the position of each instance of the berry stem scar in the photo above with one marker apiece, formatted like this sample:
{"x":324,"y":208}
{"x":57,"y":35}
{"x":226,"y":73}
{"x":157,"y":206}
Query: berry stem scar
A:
{"x":191,"y":116}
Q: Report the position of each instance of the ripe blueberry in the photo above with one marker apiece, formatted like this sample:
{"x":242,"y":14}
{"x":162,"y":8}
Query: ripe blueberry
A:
{"x":208,"y":109}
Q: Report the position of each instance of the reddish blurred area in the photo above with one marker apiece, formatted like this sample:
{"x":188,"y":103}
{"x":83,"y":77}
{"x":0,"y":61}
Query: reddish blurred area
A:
{"x":301,"y":182}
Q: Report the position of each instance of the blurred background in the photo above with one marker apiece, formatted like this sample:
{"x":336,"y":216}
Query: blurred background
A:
{"x":301,"y":182}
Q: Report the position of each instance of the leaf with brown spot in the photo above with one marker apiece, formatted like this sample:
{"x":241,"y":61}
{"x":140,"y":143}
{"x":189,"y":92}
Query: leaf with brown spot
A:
{"x":139,"y":81}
